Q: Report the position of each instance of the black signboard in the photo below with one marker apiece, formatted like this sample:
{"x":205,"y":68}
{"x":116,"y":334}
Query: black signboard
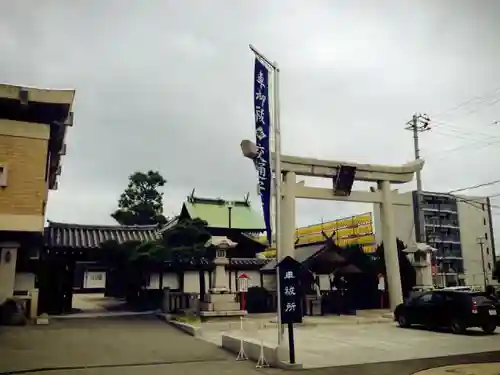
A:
{"x":290,"y":296}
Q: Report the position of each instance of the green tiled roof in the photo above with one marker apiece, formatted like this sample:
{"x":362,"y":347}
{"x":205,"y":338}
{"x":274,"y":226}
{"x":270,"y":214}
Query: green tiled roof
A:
{"x":216,"y":213}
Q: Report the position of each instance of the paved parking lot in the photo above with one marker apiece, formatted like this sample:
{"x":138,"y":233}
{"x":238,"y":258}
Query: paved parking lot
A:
{"x":106,"y":344}
{"x":146,"y":345}
{"x":339,"y":345}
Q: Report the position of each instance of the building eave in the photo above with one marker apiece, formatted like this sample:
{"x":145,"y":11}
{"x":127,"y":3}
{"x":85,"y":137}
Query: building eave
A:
{"x":45,"y":106}
{"x":88,"y":237}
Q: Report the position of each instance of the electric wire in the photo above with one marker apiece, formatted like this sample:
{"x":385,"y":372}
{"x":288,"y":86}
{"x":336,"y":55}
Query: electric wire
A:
{"x":477,"y":99}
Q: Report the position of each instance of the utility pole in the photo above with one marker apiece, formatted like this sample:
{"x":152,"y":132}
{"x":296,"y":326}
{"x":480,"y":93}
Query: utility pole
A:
{"x":480,"y":241}
{"x":418,"y":124}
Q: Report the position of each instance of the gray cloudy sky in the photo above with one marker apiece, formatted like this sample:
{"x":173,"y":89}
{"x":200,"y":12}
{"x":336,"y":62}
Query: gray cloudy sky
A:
{"x":167,"y":85}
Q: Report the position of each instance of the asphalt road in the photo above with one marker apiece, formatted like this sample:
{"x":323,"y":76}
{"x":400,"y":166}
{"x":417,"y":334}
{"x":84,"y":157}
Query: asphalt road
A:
{"x":146,"y":345}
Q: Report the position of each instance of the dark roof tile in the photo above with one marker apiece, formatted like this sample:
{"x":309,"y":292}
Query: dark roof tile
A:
{"x":249,"y":261}
{"x":77,"y":236}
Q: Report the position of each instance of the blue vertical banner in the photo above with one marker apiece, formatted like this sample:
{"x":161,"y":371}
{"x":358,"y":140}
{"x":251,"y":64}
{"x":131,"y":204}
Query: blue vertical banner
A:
{"x":262,"y":136}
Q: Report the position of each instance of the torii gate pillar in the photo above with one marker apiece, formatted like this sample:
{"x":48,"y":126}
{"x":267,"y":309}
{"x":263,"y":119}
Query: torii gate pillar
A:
{"x":382,"y":175}
{"x":391,"y":254}
{"x":287,"y":236}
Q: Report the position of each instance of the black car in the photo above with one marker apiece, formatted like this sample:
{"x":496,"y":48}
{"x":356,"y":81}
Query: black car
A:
{"x":458,"y":310}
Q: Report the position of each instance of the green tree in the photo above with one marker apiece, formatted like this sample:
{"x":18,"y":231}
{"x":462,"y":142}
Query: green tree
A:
{"x":141,"y":203}
{"x":131,"y":262}
{"x":187,"y":242}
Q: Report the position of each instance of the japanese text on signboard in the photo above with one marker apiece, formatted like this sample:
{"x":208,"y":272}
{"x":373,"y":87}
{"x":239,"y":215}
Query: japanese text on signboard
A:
{"x":291,"y":311}
{"x":262,"y":127}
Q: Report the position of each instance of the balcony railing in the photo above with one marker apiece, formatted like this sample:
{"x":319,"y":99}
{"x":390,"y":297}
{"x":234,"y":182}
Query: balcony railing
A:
{"x":445,"y":224}
{"x":439,"y":207}
{"x":439,"y":238}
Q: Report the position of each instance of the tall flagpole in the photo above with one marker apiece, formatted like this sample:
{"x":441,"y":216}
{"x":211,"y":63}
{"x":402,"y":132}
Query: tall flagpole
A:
{"x":277,"y":179}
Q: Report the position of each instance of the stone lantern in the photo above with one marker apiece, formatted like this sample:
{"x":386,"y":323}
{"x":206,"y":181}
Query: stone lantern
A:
{"x":220,"y":262}
{"x":420,"y":256}
{"x":219,"y":301}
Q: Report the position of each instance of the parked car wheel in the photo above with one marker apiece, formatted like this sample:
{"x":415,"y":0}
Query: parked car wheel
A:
{"x":457,"y":327}
{"x":489,"y":328}
{"x":403,"y":321}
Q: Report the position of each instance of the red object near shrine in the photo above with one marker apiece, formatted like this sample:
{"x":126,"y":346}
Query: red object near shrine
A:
{"x":243,"y":289}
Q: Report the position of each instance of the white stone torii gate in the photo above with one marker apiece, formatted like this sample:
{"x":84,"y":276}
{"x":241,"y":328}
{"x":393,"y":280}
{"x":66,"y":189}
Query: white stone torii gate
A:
{"x":382,"y":175}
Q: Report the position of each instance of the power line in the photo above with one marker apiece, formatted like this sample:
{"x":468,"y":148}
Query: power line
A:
{"x":457,"y":130}
{"x":487,"y":139}
{"x":473,"y":202}
{"x":475,"y":186}
{"x":445,"y":153}
{"x":479,"y":99}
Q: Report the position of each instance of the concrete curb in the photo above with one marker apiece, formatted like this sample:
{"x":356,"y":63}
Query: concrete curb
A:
{"x":187,"y":328}
{"x":166,"y":317}
{"x":252,"y":349}
{"x":184,"y":327}
{"x":469,"y":369}
{"x":251,"y":324}
{"x":91,"y":315}
{"x":305,"y":323}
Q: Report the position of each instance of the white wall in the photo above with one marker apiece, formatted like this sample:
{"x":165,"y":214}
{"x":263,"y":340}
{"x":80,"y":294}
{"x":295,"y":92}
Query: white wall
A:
{"x":25,"y":281}
{"x":192,"y":282}
{"x":154,"y":281}
{"x":324,"y":282}
{"x":474,"y":223}
{"x":94,"y":280}
{"x":269,"y":282}
{"x":171,"y":280}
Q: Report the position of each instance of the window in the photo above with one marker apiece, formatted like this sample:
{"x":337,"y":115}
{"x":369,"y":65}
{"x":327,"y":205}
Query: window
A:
{"x":437,"y":297}
{"x":484,"y":220}
{"x":487,"y":251}
{"x":489,"y":266}
{"x":482,"y":206}
{"x":425,"y":298}
{"x":486,"y":236}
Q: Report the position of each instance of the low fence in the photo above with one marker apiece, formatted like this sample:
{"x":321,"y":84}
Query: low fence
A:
{"x":259,"y":300}
{"x":175,"y":302}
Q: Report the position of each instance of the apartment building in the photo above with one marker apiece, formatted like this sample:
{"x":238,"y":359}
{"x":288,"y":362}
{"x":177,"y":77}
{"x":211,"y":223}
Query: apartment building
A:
{"x":459,"y":227}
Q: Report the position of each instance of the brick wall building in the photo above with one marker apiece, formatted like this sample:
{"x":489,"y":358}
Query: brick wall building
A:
{"x":33,"y":125}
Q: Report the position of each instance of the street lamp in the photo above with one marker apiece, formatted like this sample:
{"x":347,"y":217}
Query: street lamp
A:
{"x":230,"y":206}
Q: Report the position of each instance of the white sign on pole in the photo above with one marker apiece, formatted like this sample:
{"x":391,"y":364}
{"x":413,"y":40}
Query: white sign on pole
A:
{"x":381,"y":283}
